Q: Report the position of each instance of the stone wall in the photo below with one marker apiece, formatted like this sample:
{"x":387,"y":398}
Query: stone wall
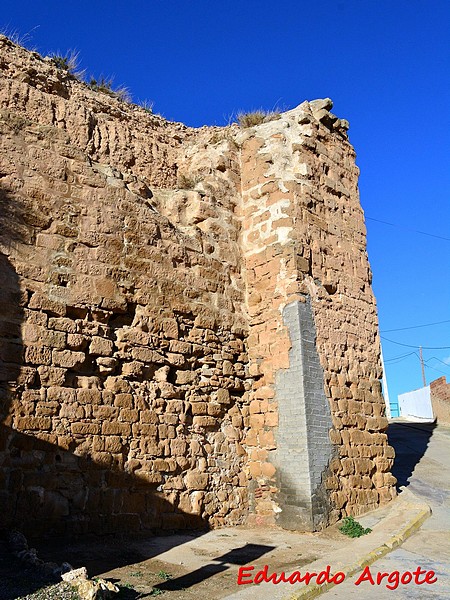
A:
{"x":304,"y":241}
{"x":185,"y":316}
{"x":440,"y":400}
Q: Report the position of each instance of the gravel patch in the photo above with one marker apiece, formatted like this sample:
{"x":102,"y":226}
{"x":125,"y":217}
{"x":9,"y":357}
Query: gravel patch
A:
{"x":59,"y":591}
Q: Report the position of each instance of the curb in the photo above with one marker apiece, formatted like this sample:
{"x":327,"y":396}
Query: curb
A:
{"x":423,"y":512}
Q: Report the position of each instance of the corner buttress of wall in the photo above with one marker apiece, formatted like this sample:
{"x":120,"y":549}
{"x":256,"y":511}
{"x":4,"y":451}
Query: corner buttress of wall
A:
{"x":303,"y":234}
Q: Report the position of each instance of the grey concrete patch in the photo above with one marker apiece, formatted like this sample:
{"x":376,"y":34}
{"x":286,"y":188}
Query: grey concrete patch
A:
{"x":303,"y":445}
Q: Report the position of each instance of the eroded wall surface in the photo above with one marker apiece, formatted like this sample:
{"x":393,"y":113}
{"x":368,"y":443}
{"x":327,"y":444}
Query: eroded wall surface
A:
{"x":185,"y":316}
{"x":303,"y":241}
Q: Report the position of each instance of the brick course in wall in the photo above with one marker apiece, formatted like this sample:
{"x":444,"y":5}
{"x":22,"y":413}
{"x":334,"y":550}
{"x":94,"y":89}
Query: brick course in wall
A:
{"x":175,"y":305}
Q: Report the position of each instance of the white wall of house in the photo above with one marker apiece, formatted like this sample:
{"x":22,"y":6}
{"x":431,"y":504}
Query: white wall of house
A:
{"x":416,"y":404}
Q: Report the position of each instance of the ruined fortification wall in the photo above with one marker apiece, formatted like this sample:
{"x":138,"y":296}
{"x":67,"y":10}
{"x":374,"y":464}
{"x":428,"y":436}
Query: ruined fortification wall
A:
{"x":317,"y":414}
{"x":188,"y":336}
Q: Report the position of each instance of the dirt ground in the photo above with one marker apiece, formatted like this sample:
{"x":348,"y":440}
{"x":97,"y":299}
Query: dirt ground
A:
{"x":181,"y":567}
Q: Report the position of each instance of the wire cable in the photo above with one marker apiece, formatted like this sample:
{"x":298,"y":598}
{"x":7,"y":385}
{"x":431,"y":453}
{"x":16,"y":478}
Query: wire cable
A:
{"x":415,"y":326}
{"x":416,"y":346}
{"x":438,"y":370}
{"x":399,"y":356}
{"x":439,"y":360}
{"x":440,"y":237}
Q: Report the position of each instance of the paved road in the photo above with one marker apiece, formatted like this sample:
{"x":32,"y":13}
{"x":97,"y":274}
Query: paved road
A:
{"x":422,"y":463}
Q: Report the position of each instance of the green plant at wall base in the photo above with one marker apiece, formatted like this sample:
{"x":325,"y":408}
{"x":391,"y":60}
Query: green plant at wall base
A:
{"x":352,"y":528}
{"x":164,"y":575}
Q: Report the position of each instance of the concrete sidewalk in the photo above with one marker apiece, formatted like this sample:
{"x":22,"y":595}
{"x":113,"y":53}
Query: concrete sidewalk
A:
{"x":390,"y":525}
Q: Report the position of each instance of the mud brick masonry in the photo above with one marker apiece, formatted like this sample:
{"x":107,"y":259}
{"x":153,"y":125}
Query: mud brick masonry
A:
{"x":440,"y":400}
{"x":188,"y":335}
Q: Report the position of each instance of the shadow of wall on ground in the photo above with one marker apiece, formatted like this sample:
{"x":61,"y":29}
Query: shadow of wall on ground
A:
{"x":410,"y":442}
{"x":102,"y":556}
{"x":45,"y":490}
{"x":244,"y":555}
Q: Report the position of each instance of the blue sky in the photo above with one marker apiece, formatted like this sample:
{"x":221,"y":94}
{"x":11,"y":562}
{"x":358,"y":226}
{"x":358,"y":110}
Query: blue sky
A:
{"x":384,"y":63}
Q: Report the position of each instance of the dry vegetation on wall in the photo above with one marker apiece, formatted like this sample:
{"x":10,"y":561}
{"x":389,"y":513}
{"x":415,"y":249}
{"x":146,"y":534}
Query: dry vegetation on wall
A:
{"x":257,"y":117}
{"x":68,"y":62}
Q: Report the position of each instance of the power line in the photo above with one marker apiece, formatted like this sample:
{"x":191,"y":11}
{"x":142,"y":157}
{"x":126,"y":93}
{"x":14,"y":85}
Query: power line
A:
{"x":415,"y":326}
{"x":440,"y":237}
{"x":439,"y":360}
{"x":417,"y":346}
{"x":396,"y":362}
{"x":438,"y":370}
{"x":399,"y":358}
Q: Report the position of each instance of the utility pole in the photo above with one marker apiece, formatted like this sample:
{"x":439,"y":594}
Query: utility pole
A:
{"x":423,"y":367}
